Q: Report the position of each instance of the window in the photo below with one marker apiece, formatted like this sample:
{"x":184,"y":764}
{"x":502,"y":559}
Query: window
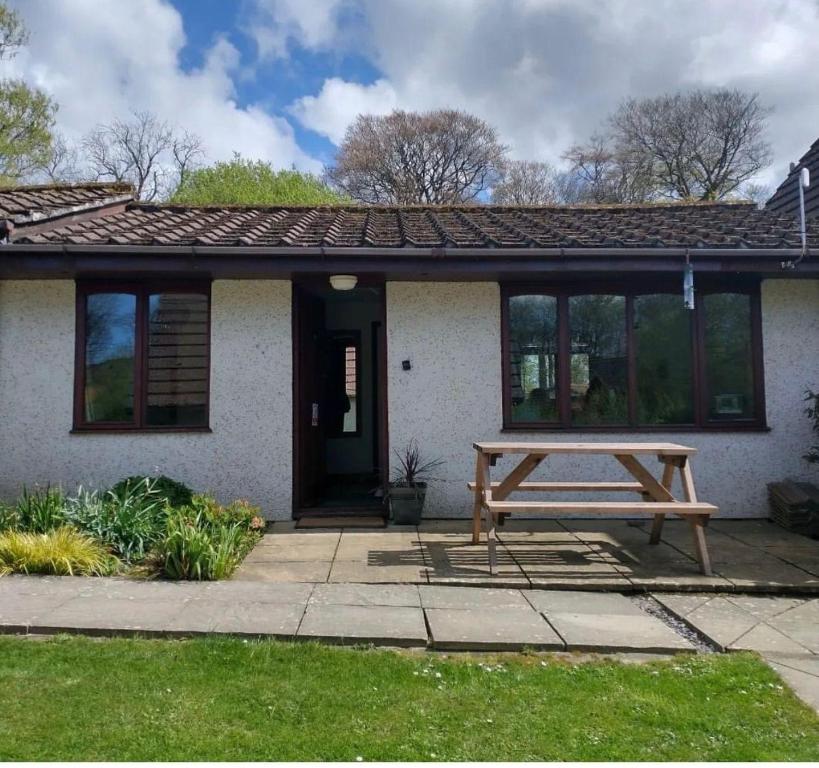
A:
{"x":582,"y":357}
{"x":342,"y":402}
{"x":143,"y":357}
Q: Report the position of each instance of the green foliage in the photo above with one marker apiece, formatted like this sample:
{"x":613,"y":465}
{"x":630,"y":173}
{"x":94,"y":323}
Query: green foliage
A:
{"x":26,"y":114}
{"x":130,"y":517}
{"x":60,"y":552}
{"x":40,"y":511}
{"x":253,"y":182}
{"x":206,"y":541}
{"x":812,"y":412}
{"x":174,"y":493}
{"x":8,"y":517}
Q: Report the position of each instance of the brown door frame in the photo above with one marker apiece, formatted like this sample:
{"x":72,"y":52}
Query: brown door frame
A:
{"x":382,"y":433}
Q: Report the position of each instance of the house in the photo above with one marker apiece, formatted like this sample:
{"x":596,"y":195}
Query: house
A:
{"x":210,"y":344}
{"x":786,"y":198}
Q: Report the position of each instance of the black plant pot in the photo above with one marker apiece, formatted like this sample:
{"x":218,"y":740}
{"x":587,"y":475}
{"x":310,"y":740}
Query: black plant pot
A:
{"x":407,"y":504}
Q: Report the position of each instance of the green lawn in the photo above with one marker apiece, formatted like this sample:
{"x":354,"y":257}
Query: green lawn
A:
{"x":83,"y":699}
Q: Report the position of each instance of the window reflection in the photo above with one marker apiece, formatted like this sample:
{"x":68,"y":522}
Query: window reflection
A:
{"x":533,"y":352}
{"x":110,"y":328}
{"x":598,"y":361}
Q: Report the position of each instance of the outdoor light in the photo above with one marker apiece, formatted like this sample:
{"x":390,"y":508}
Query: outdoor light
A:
{"x":343,"y":282}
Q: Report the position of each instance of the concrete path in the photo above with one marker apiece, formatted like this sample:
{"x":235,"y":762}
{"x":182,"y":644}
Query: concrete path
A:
{"x":604,"y":555}
{"x":784,"y":630}
{"x":434,"y":616}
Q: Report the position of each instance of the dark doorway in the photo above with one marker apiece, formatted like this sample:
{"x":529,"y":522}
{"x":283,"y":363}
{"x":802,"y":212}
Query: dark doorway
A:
{"x":339,"y":400}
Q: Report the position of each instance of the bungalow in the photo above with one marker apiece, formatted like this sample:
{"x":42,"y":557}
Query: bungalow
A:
{"x":285,"y":354}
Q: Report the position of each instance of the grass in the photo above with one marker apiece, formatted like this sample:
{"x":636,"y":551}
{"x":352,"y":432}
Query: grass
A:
{"x":63,"y":551}
{"x":223,"y":699}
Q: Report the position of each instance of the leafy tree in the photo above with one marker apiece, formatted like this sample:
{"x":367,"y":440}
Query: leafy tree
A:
{"x":252,"y":182}
{"x":26,"y":114}
{"x":439,"y":157}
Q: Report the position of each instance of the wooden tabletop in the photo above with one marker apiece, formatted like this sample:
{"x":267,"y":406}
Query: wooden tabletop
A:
{"x":534,"y":449}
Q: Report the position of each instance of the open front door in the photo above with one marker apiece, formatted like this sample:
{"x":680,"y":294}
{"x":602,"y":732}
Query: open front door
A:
{"x":309,"y":382}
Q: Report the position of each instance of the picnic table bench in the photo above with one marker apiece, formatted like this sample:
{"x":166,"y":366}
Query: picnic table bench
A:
{"x":656,"y":498}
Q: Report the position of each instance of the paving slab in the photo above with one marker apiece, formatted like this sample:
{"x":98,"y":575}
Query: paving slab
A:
{"x":309,"y":570}
{"x":801,"y":673}
{"x":768,"y":574}
{"x":763,"y":638}
{"x":718,"y":619}
{"x":471,"y":598}
{"x":395,"y":595}
{"x":351,"y":624}
{"x":246,"y":618}
{"x":285,"y":549}
{"x":385,"y":545}
{"x":800,"y":623}
{"x":595,"y":603}
{"x":607,"y":633}
{"x":20,"y":611}
{"x":493,"y":629}
{"x":377,"y":572}
{"x":277,"y":593}
{"x":113,"y":615}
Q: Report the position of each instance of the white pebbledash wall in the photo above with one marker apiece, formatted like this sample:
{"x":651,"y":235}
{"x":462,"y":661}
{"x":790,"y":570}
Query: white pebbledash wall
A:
{"x":452,"y":397}
{"x":247,"y":455}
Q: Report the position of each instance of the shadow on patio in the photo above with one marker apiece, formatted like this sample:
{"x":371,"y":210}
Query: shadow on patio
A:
{"x":749,"y":555}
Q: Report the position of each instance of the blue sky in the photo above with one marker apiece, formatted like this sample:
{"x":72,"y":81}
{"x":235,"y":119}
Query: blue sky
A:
{"x":280,"y":80}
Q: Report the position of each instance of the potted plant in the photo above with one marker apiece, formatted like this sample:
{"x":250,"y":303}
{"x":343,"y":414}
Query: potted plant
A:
{"x":409,"y":485}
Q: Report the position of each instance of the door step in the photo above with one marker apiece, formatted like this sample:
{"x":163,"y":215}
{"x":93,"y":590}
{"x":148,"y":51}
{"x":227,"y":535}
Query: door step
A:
{"x":340,"y":521}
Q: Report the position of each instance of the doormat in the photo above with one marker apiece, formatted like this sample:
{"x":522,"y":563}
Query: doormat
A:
{"x":341,"y":522}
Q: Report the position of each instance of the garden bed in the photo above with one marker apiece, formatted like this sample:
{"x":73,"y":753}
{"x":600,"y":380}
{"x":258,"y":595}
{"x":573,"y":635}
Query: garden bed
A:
{"x":142,"y":526}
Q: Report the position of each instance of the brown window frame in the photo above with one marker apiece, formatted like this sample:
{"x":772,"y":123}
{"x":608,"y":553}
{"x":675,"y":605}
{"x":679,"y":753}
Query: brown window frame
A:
{"x":705,"y":284}
{"x":142,"y":290}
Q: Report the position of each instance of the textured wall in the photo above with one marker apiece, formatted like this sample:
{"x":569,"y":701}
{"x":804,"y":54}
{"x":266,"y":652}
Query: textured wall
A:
{"x":248,"y":453}
{"x":452,"y":395}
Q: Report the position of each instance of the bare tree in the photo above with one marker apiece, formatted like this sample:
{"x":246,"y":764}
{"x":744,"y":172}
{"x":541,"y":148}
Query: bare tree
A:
{"x":601,"y":174}
{"x":63,"y":164}
{"x":445,"y":156}
{"x":144,"y":151}
{"x":527,"y":182}
{"x":699,"y":144}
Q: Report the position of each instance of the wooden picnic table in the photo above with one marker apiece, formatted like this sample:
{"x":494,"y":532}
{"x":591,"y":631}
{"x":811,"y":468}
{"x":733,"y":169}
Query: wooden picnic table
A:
{"x":656,"y":497}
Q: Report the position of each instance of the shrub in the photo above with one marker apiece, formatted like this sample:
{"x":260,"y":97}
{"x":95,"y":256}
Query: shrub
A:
{"x":61,"y":552}
{"x":130,"y":517}
{"x":41,"y":511}
{"x":812,"y":412}
{"x":206,"y":541}
{"x":173,"y":492}
{"x":8,"y":517}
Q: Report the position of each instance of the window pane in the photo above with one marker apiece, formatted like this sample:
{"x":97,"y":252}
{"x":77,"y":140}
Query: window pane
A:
{"x":533,"y":355}
{"x":177,"y":393}
{"x":662,"y":336}
{"x":598,"y":360}
{"x":110,"y":322}
{"x":351,"y":388}
{"x":728,"y":356}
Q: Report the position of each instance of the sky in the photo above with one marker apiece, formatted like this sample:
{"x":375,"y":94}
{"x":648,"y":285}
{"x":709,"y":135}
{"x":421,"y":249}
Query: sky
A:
{"x":281,"y":80}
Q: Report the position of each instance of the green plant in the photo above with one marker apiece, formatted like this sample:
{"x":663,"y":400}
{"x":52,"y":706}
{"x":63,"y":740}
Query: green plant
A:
{"x":193,"y":549}
{"x":61,"y":552}
{"x":176,"y":494}
{"x":130,"y":517}
{"x":206,"y":541}
{"x":8,"y":517}
{"x":413,"y":469}
{"x":812,"y":412}
{"x":40,"y":510}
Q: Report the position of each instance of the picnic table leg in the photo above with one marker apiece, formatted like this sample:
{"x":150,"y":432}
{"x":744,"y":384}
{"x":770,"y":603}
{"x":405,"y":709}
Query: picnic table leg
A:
{"x":657,"y":525}
{"x":697,"y":522}
{"x":485,"y":483}
{"x":476,"y":507}
{"x":491,"y":541}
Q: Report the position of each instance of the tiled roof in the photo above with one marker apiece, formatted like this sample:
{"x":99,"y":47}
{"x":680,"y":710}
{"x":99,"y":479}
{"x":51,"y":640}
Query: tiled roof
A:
{"x":26,"y":205}
{"x":786,"y":198}
{"x":712,"y":225}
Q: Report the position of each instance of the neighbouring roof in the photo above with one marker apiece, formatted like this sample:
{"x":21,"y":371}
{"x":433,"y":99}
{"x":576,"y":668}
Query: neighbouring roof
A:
{"x":29,"y":205}
{"x":786,"y":197}
{"x":694,"y":225}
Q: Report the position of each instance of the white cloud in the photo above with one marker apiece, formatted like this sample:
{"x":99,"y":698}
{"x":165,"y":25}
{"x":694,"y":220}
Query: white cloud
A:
{"x":310,"y":23}
{"x":339,"y":102}
{"x":101,"y":60}
{"x":546,"y":73}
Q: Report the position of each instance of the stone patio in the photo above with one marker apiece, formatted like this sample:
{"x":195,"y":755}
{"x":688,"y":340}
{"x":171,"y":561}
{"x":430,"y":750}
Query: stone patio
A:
{"x":604,"y":555}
